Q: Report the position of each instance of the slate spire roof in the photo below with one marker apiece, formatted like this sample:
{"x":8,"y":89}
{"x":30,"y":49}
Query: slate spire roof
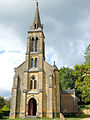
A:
{"x":36,"y":22}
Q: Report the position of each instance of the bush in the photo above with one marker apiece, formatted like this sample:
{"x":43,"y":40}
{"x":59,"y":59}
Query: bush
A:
{"x":6,"y":110}
{"x":2,"y":102}
{"x":1,"y":114}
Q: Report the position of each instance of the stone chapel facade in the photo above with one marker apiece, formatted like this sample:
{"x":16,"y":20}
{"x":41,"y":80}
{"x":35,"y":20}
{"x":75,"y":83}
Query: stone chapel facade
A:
{"x":36,"y":90}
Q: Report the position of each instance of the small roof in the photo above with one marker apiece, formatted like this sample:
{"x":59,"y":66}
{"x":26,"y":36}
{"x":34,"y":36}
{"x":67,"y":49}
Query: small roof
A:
{"x":68,"y":91}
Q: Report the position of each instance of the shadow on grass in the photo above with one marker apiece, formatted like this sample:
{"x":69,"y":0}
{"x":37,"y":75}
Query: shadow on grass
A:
{"x":5,"y":117}
{"x":78,"y":116}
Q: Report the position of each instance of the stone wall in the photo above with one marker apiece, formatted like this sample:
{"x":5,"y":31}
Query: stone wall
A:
{"x":69,"y":102}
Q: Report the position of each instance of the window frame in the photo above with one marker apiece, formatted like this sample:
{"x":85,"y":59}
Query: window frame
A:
{"x":36,"y":44}
{"x":31,"y":84}
{"x":32,"y":44}
{"x":32,"y":63}
{"x":35,"y":62}
{"x":35,"y":84}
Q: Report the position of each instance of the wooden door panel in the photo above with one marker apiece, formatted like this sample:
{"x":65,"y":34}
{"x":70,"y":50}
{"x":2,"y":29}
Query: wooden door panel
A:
{"x":32,"y":107}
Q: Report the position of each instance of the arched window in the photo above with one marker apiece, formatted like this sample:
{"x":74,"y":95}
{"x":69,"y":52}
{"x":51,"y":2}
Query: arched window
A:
{"x":32,"y":63}
{"x":35,"y":62}
{"x":31,"y":84}
{"x":35,"y":84}
{"x":36,"y":45}
{"x":33,"y":44}
{"x":35,"y":26}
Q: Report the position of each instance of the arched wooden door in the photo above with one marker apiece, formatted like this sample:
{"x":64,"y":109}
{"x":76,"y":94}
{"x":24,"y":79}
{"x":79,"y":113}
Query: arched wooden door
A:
{"x":32,"y":107}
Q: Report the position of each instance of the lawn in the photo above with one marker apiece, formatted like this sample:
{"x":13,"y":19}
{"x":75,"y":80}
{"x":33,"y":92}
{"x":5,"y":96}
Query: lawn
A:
{"x":83,"y":107}
{"x":6,"y":118}
{"x":80,"y":117}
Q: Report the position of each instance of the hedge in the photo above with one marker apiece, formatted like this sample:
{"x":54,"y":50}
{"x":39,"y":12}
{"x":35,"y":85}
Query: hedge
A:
{"x":1,"y":114}
{"x":5,"y":111}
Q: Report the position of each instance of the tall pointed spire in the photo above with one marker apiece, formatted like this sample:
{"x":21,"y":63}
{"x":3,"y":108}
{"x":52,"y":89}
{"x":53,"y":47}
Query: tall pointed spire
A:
{"x":36,"y":22}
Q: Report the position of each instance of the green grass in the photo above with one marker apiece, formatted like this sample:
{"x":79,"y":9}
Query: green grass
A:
{"x":83,"y":107}
{"x":79,"y":117}
{"x":68,"y":118}
{"x":7,"y":118}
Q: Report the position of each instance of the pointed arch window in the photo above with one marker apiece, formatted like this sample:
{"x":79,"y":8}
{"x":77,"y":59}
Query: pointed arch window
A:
{"x":32,"y":63}
{"x":32,"y":43}
{"x":31,"y":84}
{"x":35,"y":26}
{"x":35,"y":84}
{"x":36,"y":45}
{"x":35,"y":62}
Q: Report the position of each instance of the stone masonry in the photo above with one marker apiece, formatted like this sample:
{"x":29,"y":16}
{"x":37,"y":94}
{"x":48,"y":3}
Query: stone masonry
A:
{"x":35,"y":90}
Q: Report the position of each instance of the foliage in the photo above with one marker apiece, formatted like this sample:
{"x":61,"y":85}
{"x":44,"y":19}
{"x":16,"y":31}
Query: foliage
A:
{"x":83,"y":107}
{"x":82,"y":73}
{"x":6,"y":110}
{"x":67,"y":79}
{"x":8,"y":102}
{"x":4,"y":107}
{"x":1,"y":114}
{"x":2,"y":102}
{"x":87,"y":55}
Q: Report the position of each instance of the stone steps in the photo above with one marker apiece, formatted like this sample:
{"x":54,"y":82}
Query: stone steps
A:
{"x":33,"y":117}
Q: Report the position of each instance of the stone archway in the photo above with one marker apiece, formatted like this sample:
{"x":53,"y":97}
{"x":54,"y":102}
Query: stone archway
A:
{"x":32,"y":107}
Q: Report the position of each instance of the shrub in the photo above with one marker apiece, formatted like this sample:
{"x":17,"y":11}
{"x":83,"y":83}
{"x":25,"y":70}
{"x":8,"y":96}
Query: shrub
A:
{"x":6,"y":110}
{"x":1,"y":114}
{"x":2,"y":102}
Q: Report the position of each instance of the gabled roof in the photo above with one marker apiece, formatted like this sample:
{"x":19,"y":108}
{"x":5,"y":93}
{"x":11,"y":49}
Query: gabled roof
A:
{"x":20,"y":65}
{"x":68,"y":91}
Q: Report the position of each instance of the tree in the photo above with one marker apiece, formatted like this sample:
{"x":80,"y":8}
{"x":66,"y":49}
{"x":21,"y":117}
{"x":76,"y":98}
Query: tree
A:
{"x":82,"y":73}
{"x":67,"y":79}
{"x":8,"y":102}
{"x":87,"y":55}
{"x":2,"y":102}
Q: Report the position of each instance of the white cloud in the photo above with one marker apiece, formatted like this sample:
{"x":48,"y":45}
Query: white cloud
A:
{"x":13,"y":55}
{"x":52,"y":56}
{"x":8,"y":61}
{"x":14,"y":6}
{"x":9,"y":39}
{"x":66,"y":27}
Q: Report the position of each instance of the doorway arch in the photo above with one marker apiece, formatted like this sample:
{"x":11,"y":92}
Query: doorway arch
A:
{"x":32,"y":107}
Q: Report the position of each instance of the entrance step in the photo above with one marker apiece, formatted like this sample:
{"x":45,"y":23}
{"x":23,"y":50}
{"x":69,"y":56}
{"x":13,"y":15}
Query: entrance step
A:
{"x":33,"y":117}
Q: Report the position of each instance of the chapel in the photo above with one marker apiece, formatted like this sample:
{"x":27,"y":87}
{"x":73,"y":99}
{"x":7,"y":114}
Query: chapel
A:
{"x":36,"y":89}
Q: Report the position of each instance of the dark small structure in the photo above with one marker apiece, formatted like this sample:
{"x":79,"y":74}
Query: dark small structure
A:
{"x":69,"y":102}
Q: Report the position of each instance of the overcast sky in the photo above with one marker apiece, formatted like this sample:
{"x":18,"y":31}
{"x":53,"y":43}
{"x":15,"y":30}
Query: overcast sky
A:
{"x":66,"y":29}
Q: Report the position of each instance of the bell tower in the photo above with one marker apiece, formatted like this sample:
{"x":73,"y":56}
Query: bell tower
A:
{"x":35,"y":44}
{"x":35,"y":58}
